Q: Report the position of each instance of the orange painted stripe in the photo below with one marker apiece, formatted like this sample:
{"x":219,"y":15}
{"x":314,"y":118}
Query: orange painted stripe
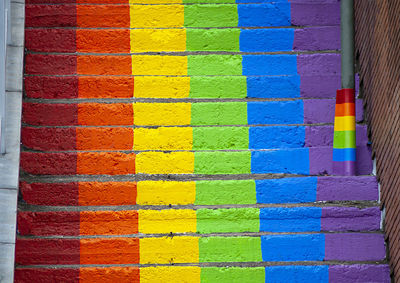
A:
{"x":102,"y":1}
{"x":109,"y":251}
{"x":103,"y":41}
{"x":345,"y":109}
{"x":107,"y":193}
{"x":104,"y":138}
{"x":108,"y":222}
{"x":105,"y":87}
{"x":104,"y":65}
{"x":103,"y":114}
{"x":103,"y":16}
{"x":109,"y":275}
{"x":105,"y":163}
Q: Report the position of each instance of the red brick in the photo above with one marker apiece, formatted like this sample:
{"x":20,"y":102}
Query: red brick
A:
{"x":50,"y":15}
{"x":50,"y":114}
{"x":49,"y":139}
{"x":51,"y":87}
{"x":50,"y":40}
{"x":47,"y":251}
{"x":50,"y":193}
{"x":39,"y":64}
{"x":49,"y":163}
{"x":48,"y":223}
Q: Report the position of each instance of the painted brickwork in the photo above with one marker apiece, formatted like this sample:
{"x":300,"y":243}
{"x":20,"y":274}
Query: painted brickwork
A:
{"x":377,"y":46}
{"x":189,"y":142}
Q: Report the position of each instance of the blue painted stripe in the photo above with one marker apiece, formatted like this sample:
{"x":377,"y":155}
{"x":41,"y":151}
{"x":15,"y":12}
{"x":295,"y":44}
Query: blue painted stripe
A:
{"x":276,"y":137}
{"x":299,"y":274}
{"x":264,"y":15}
{"x":260,"y":1}
{"x":290,"y":161}
{"x":310,"y":247}
{"x":274,"y":87}
{"x":259,"y":65}
{"x":287,"y":190}
{"x":344,"y":154}
{"x":263,"y":40}
{"x":275,"y":112}
{"x":294,"y":219}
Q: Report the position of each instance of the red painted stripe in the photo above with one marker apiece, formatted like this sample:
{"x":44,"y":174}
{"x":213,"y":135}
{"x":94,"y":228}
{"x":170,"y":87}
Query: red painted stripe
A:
{"x":49,"y":163}
{"x":50,"y":193}
{"x":39,"y":64}
{"x":48,"y":139}
{"x":47,"y":251}
{"x":50,"y":15}
{"x":51,"y":87}
{"x":48,"y":223}
{"x":32,"y":275}
{"x":345,"y":95}
{"x":51,"y":40}
{"x":50,"y":114}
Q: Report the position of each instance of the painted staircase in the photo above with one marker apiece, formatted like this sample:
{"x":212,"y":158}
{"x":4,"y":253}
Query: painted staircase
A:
{"x":189,"y":141}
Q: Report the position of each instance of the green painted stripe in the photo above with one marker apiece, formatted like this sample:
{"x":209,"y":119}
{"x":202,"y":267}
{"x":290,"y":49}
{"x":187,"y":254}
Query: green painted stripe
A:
{"x":232,"y":274}
{"x":225,"y":192}
{"x":212,"y":39}
{"x":222,"y":162}
{"x":204,"y":15}
{"x":218,"y":138}
{"x":214,"y":65}
{"x":218,"y":87}
{"x":208,"y":1}
{"x":230,"y":249}
{"x":228,"y":220}
{"x":344,"y":139}
{"x":216,"y":113}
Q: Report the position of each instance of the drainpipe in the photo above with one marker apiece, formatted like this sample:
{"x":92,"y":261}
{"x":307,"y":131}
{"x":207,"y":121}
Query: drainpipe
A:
{"x":344,"y":141}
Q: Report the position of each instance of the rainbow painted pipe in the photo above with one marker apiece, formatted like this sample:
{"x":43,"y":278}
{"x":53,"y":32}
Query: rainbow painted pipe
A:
{"x":344,"y":139}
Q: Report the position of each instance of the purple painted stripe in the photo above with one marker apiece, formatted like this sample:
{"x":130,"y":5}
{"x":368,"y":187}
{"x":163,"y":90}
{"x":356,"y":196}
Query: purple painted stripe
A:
{"x":344,"y":168}
{"x":354,"y":247}
{"x":359,"y":273}
{"x":317,"y":64}
{"x":323,"y":111}
{"x":321,"y":86}
{"x":321,"y":161}
{"x":347,"y":188}
{"x":317,"y":38}
{"x":350,"y":219}
{"x":312,"y":14}
{"x":323,"y":136}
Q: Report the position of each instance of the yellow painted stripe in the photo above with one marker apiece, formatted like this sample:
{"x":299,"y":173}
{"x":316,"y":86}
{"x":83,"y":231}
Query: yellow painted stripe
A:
{"x":162,"y":114}
{"x":155,"y":1}
{"x":165,"y":163}
{"x":181,"y":274}
{"x":157,"y":65}
{"x":154,"y":40}
{"x":163,"y":138}
{"x":345,"y":123}
{"x":167,"y":221}
{"x":149,"y":16}
{"x":165,"y":193}
{"x":169,"y":250}
{"x":162,"y":87}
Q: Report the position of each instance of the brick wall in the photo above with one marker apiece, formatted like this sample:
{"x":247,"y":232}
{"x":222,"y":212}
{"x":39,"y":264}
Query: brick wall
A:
{"x":377,"y":45}
{"x":187,"y":142}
